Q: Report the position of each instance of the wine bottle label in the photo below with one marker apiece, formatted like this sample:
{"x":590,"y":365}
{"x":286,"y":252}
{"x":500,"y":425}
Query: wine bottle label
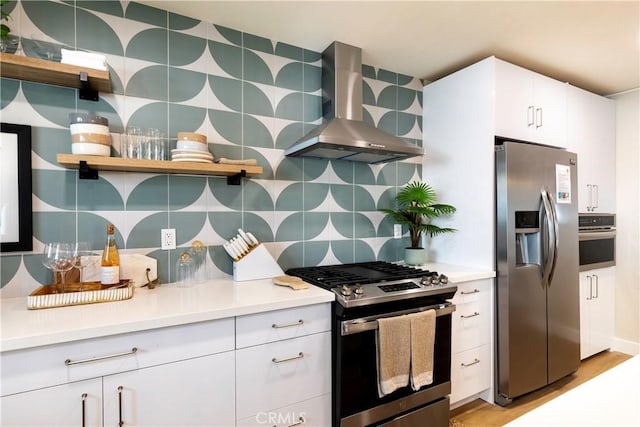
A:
{"x":110,"y":275}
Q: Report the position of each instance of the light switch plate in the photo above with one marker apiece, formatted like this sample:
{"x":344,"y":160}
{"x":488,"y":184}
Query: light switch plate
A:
{"x":397,"y":231}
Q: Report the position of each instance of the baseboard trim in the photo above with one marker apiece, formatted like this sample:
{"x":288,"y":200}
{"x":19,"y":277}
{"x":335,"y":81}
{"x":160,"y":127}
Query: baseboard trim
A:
{"x":625,"y":346}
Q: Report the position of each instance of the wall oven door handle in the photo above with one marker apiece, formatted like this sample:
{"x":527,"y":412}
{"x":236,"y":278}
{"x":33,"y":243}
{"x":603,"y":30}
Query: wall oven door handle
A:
{"x":355,"y":326}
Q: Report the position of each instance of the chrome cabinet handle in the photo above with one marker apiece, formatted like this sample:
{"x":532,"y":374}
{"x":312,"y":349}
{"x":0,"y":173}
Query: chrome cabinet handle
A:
{"x":590,"y":205}
{"x":475,"y":313}
{"x":475,"y":291}
{"x":597,"y":286}
{"x":84,"y":398}
{"x":590,"y":288}
{"x":70,"y":362}
{"x":530,"y":116}
{"x":288,"y":359}
{"x":466,"y":365}
{"x":301,"y":421}
{"x":288,"y":325}
{"x":596,"y":196}
{"x":538,"y":116}
{"x":120,"y":422}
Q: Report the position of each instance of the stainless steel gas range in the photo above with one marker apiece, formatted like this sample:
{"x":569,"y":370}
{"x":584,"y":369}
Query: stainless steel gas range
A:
{"x":366,"y":292}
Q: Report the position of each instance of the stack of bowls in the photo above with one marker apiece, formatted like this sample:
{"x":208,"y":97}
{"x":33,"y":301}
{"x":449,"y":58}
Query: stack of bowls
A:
{"x":191,"y":147}
{"x":89,"y":134}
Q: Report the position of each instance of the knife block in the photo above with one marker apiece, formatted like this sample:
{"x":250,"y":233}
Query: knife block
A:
{"x":257,"y":264}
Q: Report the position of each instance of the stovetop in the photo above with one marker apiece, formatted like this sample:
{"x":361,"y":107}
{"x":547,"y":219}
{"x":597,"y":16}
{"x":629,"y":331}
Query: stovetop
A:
{"x":375,"y":282}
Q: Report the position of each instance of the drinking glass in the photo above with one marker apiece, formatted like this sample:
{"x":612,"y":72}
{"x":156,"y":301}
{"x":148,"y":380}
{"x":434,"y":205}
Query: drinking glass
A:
{"x":133,"y":143}
{"x":83,"y":257}
{"x":185,"y":270}
{"x":199,"y":254}
{"x":59,"y":258}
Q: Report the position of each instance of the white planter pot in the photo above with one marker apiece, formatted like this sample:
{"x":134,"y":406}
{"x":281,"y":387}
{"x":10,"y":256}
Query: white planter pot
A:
{"x":415,"y":256}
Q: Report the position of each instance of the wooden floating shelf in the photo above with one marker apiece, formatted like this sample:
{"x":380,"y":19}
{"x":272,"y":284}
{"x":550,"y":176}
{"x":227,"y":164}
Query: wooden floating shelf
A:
{"x":51,"y":72}
{"x":72,"y":161}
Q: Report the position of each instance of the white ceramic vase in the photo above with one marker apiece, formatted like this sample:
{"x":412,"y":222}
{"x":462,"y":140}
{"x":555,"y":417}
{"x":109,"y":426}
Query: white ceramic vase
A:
{"x":415,"y":256}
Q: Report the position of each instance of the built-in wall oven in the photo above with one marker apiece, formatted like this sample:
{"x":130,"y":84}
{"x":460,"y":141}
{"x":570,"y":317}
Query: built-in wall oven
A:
{"x":365,"y":293}
{"x":597,"y":240}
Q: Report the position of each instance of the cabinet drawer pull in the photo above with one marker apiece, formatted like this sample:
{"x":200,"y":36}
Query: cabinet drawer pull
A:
{"x":84,"y":398}
{"x":538,"y":117}
{"x":288,"y":325}
{"x":70,"y":362}
{"x":301,"y":421}
{"x":475,"y":291}
{"x":530,"y":116}
{"x":466,"y":365}
{"x":288,"y":359}
{"x":475,"y":313}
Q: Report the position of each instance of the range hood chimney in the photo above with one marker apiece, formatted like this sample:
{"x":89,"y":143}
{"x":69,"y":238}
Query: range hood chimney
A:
{"x":343,"y":135}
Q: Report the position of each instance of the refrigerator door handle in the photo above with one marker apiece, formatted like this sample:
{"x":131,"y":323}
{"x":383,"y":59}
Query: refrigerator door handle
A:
{"x":556,"y":238}
{"x":549,"y":254}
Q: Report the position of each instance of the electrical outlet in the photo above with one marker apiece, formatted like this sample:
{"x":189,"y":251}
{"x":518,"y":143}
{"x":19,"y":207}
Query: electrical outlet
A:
{"x":168,"y":238}
{"x":397,"y":231}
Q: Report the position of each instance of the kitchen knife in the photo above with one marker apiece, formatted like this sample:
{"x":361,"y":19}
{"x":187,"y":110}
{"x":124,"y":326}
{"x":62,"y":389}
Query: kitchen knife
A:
{"x":236,"y":245}
{"x":252,"y":238}
{"x":245,"y":237}
{"x":231,"y":252}
{"x":242,"y":244}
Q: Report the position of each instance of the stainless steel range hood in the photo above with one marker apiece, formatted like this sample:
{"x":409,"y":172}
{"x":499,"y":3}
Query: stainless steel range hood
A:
{"x":343,"y":135}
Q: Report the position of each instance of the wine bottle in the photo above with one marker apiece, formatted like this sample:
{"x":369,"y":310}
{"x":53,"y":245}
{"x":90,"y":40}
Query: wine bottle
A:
{"x":110,"y":270}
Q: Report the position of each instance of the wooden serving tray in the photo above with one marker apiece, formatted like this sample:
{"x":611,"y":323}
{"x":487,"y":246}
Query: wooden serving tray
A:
{"x":78,"y":294}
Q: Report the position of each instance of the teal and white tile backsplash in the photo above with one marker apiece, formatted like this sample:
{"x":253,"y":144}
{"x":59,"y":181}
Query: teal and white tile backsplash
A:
{"x":253,"y":97}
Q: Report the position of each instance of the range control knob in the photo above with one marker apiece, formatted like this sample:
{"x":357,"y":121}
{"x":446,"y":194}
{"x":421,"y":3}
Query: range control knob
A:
{"x":359,"y":290}
{"x":345,"y":290}
{"x":425,"y":281}
{"x":435,"y":280}
{"x":443,"y":279}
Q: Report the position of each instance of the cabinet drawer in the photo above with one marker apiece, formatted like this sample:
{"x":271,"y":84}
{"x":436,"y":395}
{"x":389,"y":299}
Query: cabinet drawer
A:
{"x":472,"y":291}
{"x":470,"y":326}
{"x":470,"y":372}
{"x":45,"y":366}
{"x":314,"y":412}
{"x":279,"y":374}
{"x":261,"y":328}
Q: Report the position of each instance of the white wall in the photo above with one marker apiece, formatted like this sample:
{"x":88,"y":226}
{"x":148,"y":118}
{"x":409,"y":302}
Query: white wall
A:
{"x":627,"y":317}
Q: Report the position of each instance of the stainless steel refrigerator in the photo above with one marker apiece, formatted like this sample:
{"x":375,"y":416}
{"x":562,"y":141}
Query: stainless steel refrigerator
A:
{"x":538,"y":311}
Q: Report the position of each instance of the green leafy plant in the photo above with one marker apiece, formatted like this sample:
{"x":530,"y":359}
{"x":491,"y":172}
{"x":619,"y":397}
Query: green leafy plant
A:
{"x":4,"y":15}
{"x":416,"y":206}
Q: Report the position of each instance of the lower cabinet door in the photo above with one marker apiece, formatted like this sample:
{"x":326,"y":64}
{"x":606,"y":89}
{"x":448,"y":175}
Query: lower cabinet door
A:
{"x":73,"y":404}
{"x":193,"y":392}
{"x":470,"y":372}
{"x":314,"y":412}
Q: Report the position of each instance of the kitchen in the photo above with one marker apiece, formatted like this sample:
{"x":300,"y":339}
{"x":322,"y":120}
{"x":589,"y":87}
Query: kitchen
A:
{"x":307,"y":212}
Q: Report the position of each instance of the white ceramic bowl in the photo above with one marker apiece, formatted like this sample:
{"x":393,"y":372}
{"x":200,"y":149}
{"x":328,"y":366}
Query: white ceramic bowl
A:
{"x":88,"y":128}
{"x":90,"y":149}
{"x":191,"y":145}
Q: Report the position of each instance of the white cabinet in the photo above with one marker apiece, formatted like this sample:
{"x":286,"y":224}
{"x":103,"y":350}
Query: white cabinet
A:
{"x":283,"y":367}
{"x":167,"y":376}
{"x":73,"y":404}
{"x":597,"y":298}
{"x":471,"y":364}
{"x":591,"y":134}
{"x":529,"y":106}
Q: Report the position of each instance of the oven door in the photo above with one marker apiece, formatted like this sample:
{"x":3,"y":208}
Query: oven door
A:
{"x":597,"y":249}
{"x":356,"y":380}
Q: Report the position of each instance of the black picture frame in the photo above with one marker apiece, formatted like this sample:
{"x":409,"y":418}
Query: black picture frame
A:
{"x":25,"y":216}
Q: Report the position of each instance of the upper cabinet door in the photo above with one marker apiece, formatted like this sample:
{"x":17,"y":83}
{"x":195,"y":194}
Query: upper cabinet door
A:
{"x":591,"y":134}
{"x":529,"y":106}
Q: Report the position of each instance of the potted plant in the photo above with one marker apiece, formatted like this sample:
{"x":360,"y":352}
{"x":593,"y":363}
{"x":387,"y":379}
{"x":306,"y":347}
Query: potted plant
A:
{"x":8,"y":42}
{"x":416,"y":206}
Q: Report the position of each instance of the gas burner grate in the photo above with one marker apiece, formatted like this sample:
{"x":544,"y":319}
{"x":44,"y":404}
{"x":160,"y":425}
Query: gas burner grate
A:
{"x":330,"y":276}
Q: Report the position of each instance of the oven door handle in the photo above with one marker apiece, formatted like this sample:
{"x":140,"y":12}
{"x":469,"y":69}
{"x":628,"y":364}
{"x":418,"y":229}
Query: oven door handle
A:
{"x":370,"y":323}
{"x":596,"y":235}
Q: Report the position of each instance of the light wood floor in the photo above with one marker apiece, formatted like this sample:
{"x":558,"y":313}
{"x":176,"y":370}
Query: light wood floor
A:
{"x":480,"y":413}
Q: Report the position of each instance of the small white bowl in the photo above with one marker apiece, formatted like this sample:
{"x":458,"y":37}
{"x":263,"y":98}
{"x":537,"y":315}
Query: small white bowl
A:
{"x":191,"y":145}
{"x":86,"y":148}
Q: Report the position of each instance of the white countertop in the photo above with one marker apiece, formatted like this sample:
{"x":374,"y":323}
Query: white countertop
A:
{"x":610,"y":399}
{"x":166,"y":305}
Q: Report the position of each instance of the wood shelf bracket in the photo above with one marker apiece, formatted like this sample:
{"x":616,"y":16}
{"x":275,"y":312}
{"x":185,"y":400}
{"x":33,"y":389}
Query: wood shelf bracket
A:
{"x":86,"y":92}
{"x":86,"y":172}
{"x":237,"y":178}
